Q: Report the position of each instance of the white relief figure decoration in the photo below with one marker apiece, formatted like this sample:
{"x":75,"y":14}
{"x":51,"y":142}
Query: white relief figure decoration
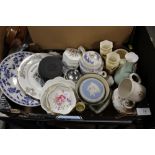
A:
{"x":93,"y":89}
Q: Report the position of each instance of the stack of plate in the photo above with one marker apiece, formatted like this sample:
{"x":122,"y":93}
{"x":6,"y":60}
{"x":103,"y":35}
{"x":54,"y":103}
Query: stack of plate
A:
{"x":94,"y":91}
{"x":19,"y":78}
{"x":9,"y":80}
{"x":58,"y":96}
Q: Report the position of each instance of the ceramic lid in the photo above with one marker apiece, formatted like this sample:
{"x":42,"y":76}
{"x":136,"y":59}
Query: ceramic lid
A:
{"x":92,"y":90}
{"x":92,"y":59}
{"x":50,"y":67}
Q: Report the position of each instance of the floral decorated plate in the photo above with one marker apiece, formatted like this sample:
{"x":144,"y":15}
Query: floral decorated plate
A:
{"x":9,"y":83}
{"x":58,"y":80}
{"x":61,"y":100}
{"x":28,"y":76}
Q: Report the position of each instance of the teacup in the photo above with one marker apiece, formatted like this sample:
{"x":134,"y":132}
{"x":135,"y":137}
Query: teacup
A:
{"x":131,"y":89}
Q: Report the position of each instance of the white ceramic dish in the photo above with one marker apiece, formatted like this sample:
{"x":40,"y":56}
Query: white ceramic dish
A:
{"x":61,"y":99}
{"x":28,"y":76}
{"x":48,"y":96}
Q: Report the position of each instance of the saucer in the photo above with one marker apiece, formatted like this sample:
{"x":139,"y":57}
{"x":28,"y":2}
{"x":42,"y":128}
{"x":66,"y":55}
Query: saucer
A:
{"x":9,"y":83}
{"x":61,"y":99}
{"x":28,"y":76}
{"x":58,"y":99}
{"x":57,"y":80}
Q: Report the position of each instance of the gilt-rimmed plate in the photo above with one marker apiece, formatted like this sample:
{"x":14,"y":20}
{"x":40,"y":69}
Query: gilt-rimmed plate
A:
{"x":61,"y":99}
{"x":28,"y":76}
{"x":9,"y":83}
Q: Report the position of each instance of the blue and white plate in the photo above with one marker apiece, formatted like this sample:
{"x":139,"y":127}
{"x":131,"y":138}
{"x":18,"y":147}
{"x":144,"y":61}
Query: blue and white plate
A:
{"x":9,"y":83}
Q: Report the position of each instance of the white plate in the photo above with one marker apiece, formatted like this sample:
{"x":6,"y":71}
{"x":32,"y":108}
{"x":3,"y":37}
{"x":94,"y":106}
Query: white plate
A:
{"x":49,"y":87}
{"x":61,"y":99}
{"x":8,"y":80}
{"x":58,"y":80}
{"x":28,"y":76}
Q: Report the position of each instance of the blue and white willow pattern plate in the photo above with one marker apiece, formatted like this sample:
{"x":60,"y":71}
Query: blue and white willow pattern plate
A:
{"x":8,"y":80}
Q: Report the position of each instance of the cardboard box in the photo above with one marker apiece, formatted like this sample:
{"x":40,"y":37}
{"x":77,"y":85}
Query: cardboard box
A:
{"x":2,"y":34}
{"x":61,"y":37}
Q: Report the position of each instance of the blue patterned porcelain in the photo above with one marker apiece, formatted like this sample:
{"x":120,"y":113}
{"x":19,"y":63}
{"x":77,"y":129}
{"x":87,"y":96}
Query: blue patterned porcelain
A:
{"x":92,"y":90}
{"x":91,"y":62}
{"x":8,"y":80}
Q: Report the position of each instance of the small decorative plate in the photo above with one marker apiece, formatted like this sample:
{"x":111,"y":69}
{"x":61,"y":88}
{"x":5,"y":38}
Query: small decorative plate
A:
{"x":61,"y":100}
{"x":92,"y":90}
{"x":28,"y":76}
{"x":9,"y":83}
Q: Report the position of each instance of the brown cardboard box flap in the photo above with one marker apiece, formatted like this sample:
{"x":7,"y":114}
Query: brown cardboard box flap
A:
{"x":2,"y":34}
{"x":61,"y":37}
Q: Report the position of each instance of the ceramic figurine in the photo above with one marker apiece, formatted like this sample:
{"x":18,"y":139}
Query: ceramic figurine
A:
{"x":126,"y":69}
